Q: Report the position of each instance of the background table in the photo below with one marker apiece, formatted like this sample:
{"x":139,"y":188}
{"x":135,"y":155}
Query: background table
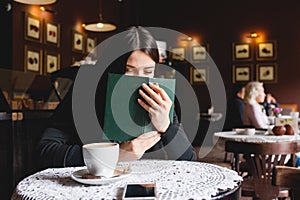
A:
{"x":232,"y":135}
{"x":174,"y":180}
{"x":220,"y":138}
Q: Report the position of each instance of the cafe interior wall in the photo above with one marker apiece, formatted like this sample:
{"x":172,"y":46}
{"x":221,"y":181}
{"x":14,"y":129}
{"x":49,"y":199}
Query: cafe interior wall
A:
{"x":216,"y":23}
{"x":220,"y":23}
{"x":69,"y":14}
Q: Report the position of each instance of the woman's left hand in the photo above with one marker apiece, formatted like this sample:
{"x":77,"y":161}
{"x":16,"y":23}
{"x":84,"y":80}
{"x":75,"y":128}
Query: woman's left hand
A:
{"x":158,"y":104}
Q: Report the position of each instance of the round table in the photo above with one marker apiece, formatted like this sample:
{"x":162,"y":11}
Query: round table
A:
{"x":220,"y":138}
{"x":174,"y":180}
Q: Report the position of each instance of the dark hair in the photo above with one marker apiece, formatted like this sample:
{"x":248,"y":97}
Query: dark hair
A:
{"x":237,"y":87}
{"x":135,"y":38}
{"x":139,"y":38}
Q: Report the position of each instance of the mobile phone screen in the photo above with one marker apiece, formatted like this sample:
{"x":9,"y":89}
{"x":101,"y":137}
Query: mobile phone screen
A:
{"x":141,"y":191}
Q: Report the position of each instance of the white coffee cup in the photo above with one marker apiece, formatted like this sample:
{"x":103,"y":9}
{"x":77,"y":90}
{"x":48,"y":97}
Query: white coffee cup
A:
{"x":101,"y":158}
{"x":294,"y":114}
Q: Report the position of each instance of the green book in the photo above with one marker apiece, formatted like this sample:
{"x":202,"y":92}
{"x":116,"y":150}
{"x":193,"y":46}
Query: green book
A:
{"x":124,"y":118}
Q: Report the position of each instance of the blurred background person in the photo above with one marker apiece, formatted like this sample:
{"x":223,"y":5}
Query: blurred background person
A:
{"x":235,"y":108}
{"x":254,"y":114}
{"x":269,"y":104}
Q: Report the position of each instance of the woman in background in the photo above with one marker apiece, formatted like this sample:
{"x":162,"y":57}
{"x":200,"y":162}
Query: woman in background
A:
{"x":254,"y":114}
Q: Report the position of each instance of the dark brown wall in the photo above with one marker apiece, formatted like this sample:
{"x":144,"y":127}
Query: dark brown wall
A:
{"x":217,"y":23}
{"x":70,"y":14}
{"x":220,"y":23}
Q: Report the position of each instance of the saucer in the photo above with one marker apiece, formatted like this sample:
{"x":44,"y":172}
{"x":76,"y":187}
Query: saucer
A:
{"x":120,"y":173}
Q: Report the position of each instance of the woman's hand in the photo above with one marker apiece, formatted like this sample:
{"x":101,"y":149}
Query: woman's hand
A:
{"x":158,"y":105}
{"x":134,"y":149}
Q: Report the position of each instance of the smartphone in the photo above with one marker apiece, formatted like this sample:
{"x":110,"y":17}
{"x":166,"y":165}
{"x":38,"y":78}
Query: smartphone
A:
{"x":140,"y":191}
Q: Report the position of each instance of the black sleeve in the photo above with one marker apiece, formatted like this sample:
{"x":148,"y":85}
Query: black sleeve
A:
{"x":56,"y":150}
{"x":176,"y":143}
{"x":60,"y":145}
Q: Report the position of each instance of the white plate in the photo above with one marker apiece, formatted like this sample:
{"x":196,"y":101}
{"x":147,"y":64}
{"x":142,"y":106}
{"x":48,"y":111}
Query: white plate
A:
{"x":261,"y":132}
{"x":120,"y":173}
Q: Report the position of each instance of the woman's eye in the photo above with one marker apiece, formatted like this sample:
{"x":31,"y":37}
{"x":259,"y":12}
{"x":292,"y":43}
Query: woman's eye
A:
{"x":129,"y":70}
{"x":148,"y":72}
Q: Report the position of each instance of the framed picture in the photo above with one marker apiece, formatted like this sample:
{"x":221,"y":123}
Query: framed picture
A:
{"x":241,"y":51}
{"x":178,"y":53}
{"x":78,"y":42}
{"x":91,"y":45}
{"x":242,"y":73}
{"x":162,"y":50}
{"x":266,"y":50}
{"x":33,"y":59}
{"x":52,"y":33}
{"x":199,"y":53}
{"x":198,"y":76}
{"x":52,"y":62}
{"x":266,"y":73}
{"x":33,"y":28}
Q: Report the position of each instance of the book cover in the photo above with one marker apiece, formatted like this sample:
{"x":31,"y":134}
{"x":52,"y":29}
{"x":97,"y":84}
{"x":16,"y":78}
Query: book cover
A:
{"x":124,"y":118}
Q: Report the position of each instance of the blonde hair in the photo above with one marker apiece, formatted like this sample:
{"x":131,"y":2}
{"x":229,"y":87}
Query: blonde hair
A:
{"x":252,"y":91}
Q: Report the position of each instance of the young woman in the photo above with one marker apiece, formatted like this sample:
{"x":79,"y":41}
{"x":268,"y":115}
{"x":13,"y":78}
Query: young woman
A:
{"x":60,"y":144}
{"x":254,"y":114}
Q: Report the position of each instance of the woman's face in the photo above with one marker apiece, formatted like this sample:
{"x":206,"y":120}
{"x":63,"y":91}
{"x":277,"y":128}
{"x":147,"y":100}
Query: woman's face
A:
{"x":140,"y":64}
{"x":261,"y":95}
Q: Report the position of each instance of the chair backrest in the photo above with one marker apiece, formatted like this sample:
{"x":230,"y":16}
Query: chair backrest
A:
{"x":264,"y":157}
{"x":288,"y":108}
{"x":287,"y":177}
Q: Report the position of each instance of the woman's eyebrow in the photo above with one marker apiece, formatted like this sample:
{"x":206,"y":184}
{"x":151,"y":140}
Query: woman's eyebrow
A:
{"x":131,"y":66}
{"x":145,"y":66}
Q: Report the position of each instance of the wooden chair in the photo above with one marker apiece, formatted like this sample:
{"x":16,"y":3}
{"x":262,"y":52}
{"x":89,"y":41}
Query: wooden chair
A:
{"x":288,"y":108}
{"x":287,"y":177}
{"x":262,"y":157}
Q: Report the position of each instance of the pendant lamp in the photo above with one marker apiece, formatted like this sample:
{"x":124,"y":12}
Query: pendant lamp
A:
{"x":100,"y":26}
{"x":36,"y":2}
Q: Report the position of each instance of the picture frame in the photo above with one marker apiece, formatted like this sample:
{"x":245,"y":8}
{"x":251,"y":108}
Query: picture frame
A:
{"x":91,"y":45}
{"x":242,"y":73}
{"x":78,"y":42}
{"x":52,"y":33}
{"x":33,"y":28}
{"x":267,"y":73}
{"x":162,"y":50}
{"x":32,"y":59}
{"x":178,"y":53}
{"x":51,"y":62}
{"x":198,"y":75}
{"x":241,"y":52}
{"x":266,"y":50}
{"x":199,"y":53}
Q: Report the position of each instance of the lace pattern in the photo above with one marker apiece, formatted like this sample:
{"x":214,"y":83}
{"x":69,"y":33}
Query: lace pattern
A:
{"x":174,"y":180}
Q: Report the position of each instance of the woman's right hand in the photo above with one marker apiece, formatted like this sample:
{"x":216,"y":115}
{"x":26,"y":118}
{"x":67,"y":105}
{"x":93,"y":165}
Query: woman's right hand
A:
{"x":134,"y":149}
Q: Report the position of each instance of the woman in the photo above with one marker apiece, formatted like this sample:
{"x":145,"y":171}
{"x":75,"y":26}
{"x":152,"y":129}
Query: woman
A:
{"x":60,"y":144}
{"x":254,"y":114}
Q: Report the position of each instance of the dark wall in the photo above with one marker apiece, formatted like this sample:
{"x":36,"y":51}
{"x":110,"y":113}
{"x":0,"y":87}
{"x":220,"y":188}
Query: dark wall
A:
{"x":220,"y":23}
{"x":6,"y":34}
{"x":70,"y":14}
{"x":213,"y":22}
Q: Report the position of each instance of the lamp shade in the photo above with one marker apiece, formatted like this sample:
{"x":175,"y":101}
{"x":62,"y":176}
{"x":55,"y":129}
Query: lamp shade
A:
{"x":100,"y":27}
{"x":36,"y":2}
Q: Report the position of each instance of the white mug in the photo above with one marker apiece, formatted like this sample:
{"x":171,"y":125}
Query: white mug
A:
{"x":294,"y":114}
{"x":101,"y":158}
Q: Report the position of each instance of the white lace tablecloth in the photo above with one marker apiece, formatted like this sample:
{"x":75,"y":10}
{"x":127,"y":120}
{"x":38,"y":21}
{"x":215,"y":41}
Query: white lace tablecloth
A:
{"x":174,"y":180}
{"x":220,"y":138}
